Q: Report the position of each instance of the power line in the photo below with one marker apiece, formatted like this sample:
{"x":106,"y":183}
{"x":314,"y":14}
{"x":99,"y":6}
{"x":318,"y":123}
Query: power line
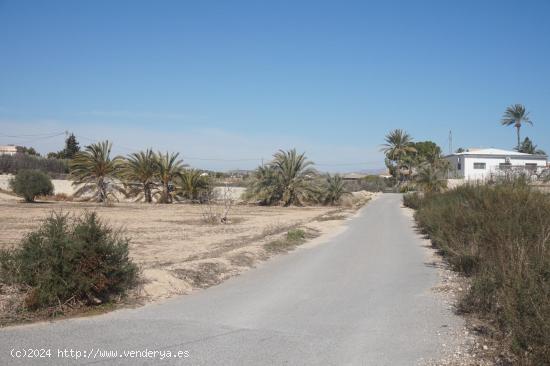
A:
{"x":35,"y":134}
{"x":41,"y":136}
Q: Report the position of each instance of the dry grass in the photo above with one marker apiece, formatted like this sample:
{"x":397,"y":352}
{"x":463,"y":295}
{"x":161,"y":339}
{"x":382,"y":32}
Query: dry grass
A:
{"x":170,"y":240}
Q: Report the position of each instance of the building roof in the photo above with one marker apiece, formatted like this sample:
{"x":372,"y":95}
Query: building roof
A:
{"x":495,"y":152}
{"x":353,"y":176}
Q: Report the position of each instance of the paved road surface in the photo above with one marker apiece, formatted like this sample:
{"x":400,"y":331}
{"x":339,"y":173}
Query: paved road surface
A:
{"x":363,"y":298}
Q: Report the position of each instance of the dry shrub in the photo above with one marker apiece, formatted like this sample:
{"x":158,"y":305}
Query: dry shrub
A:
{"x":412,"y":200}
{"x":70,"y":259}
{"x":204,"y":275}
{"x":293,"y":238}
{"x":58,"y":197}
{"x":500,"y":236}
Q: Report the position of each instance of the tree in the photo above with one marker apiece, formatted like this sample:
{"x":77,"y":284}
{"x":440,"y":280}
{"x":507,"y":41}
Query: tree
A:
{"x":427,"y":151}
{"x":286,"y":180}
{"x":193,"y":183}
{"x":430,"y":180}
{"x":528,"y":147}
{"x":398,"y":145}
{"x":31,"y":183}
{"x":168,"y":168}
{"x":71,"y":147}
{"x":335,"y":189}
{"x":94,"y":169}
{"x":294,"y":174}
{"x":265,"y":186}
{"x":29,"y":151}
{"x":515,"y":115}
{"x":139,"y":172}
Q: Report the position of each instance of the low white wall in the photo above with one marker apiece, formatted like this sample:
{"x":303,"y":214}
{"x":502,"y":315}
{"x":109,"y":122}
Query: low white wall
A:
{"x":65,"y":186}
{"x":59,"y":185}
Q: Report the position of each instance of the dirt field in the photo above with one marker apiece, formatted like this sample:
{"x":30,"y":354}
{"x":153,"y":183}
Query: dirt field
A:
{"x":175,"y":248}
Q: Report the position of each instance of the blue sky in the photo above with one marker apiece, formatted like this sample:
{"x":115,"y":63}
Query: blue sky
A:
{"x":236,"y":80}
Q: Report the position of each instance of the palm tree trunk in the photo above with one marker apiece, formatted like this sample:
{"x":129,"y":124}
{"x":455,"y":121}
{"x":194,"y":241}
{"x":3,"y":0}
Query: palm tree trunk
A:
{"x":398,"y":172}
{"x":102,"y":190}
{"x":519,"y":141}
{"x":147,"y":191}
{"x":166,"y":193}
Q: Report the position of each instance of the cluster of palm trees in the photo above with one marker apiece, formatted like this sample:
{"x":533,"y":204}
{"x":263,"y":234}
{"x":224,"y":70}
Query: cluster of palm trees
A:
{"x":145,"y":175}
{"x":290,"y":179}
{"x":421,"y":163}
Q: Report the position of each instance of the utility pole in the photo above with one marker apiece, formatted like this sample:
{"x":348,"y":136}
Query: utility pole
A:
{"x":450,"y":142}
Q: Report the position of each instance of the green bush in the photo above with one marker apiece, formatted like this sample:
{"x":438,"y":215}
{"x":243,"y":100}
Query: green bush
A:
{"x":70,"y":258}
{"x":296,"y":235}
{"x":500,"y":236}
{"x":31,"y":183}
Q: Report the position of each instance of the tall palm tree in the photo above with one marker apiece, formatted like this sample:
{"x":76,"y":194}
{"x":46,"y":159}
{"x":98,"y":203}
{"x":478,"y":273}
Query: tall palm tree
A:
{"x":168,"y":168}
{"x":335,"y":189}
{"x":193,"y":183}
{"x":294,"y":172}
{"x":398,"y":145}
{"x":516,"y":115}
{"x":140,"y":172}
{"x":95,"y":171}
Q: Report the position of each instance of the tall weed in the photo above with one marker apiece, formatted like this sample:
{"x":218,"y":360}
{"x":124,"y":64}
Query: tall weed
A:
{"x":500,"y":236}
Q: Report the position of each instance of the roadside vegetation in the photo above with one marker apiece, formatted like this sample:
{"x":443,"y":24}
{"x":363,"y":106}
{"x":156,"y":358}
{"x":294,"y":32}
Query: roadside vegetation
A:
{"x":68,"y":263}
{"x":498,"y":236}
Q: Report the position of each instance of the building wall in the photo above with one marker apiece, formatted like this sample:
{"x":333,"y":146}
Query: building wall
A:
{"x":492,"y":165}
{"x":9,"y":150}
{"x":457,"y":166}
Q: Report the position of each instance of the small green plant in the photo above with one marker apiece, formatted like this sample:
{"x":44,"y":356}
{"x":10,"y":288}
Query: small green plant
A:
{"x":31,"y":183}
{"x":70,"y":259}
{"x":296,"y":235}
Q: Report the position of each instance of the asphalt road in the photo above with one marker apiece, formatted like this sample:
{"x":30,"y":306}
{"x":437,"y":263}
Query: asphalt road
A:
{"x":363,"y":298}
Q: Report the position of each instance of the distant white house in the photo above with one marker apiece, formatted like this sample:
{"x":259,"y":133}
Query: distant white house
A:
{"x":10,"y":149}
{"x":485,"y":164}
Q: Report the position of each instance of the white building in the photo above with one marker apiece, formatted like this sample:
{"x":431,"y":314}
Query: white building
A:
{"x":486,"y":164}
{"x":10,"y":149}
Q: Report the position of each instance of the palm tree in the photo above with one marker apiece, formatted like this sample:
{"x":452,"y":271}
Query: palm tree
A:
{"x":429,"y":179}
{"x":94,"y":169}
{"x":192,"y":184}
{"x":528,"y":147}
{"x":398,"y":145}
{"x":265,"y":186}
{"x":295,"y":173}
{"x":168,"y":168}
{"x":516,"y":115}
{"x":335,"y":189}
{"x":140,"y":172}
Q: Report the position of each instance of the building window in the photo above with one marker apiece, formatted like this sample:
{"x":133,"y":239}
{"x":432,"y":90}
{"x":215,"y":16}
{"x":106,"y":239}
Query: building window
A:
{"x":505,"y":165}
{"x":531,"y":166}
{"x":479,"y":165}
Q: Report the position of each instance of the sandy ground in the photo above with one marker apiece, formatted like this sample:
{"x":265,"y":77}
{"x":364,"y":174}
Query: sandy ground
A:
{"x":176,"y":250}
